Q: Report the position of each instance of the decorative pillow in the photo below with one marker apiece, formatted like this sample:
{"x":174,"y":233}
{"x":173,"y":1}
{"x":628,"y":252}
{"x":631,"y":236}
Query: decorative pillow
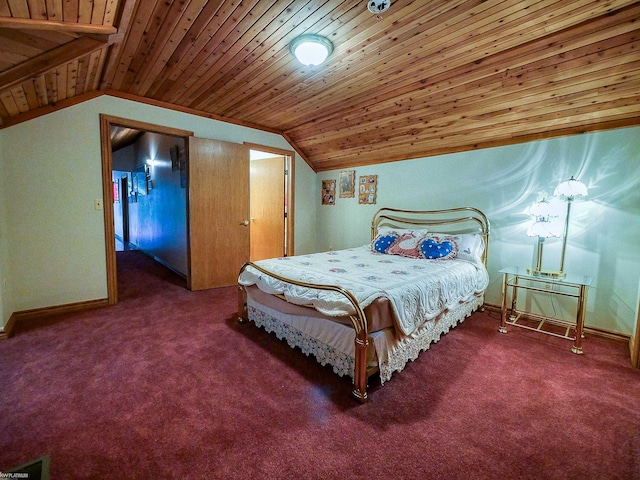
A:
{"x":470,"y":246}
{"x":382,"y":242}
{"x":387,"y":236}
{"x":434,"y":247}
{"x":406,"y":245}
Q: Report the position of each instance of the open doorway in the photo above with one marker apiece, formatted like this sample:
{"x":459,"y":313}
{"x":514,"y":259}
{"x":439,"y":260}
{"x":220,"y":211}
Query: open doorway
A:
{"x":112,"y":190}
{"x":150,"y":196}
{"x":271,"y":202}
{"x":107,"y":123}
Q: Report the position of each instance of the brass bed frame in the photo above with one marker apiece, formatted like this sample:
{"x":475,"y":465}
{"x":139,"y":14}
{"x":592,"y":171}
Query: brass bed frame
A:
{"x":449,"y":221}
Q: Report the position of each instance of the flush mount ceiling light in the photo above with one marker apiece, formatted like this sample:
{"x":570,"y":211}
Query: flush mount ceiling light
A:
{"x":378,"y":6}
{"x":311,"y":49}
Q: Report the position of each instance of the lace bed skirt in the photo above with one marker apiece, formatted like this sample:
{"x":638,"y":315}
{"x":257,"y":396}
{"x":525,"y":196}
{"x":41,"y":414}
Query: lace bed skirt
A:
{"x":332,"y":343}
{"x":408,"y":348}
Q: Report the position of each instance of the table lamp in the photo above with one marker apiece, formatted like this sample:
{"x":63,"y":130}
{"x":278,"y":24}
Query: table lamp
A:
{"x":543,"y":227}
{"x":568,"y":189}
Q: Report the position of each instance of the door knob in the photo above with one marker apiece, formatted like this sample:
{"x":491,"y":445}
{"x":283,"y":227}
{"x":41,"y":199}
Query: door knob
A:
{"x":245,"y":223}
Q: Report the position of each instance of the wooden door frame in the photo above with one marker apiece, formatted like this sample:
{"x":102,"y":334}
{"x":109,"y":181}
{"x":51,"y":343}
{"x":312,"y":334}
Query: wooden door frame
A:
{"x":290,"y":161}
{"x":106,"y":122}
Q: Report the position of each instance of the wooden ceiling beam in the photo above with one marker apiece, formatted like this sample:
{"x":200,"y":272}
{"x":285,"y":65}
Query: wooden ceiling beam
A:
{"x":47,"y":61}
{"x":29,"y":24}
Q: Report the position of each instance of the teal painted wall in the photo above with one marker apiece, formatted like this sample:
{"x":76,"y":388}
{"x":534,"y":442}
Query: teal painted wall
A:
{"x":604,"y":234}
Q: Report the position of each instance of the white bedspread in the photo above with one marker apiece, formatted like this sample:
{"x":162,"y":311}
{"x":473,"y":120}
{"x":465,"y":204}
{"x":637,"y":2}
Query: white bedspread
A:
{"x":417,"y":289}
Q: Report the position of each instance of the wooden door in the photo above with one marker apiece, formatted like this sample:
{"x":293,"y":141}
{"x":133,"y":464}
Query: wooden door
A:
{"x":267,"y":186}
{"x":218,"y":209}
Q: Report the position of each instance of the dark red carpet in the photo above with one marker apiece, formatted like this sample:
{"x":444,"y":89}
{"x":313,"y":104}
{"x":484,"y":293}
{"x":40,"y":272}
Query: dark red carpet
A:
{"x":167,"y":385}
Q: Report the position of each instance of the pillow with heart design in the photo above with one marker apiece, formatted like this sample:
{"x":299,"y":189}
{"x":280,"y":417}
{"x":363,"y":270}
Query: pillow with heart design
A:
{"x":406,"y":246}
{"x":438,"y":248}
{"x":382,"y":242}
{"x":388,"y":236}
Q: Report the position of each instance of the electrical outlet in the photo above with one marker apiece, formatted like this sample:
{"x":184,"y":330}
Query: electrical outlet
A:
{"x":97,"y":204}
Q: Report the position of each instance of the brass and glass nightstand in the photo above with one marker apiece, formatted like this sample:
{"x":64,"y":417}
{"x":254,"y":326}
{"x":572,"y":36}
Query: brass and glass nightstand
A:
{"x":571,"y":285}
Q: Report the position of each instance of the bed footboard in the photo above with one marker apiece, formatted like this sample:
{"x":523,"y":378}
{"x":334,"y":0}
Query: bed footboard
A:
{"x":358,"y":320}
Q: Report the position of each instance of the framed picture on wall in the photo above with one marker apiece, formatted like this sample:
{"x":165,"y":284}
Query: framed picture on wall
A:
{"x":328,"y":192}
{"x":182,"y":166}
{"x":175,"y":164}
{"x":368,"y":189}
{"x":347,"y":184}
{"x":131,"y":188}
{"x":140,"y":180}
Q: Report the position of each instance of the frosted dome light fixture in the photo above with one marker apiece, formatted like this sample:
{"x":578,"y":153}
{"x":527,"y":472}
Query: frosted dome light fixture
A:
{"x":569,"y":189}
{"x":543,"y":227}
{"x":378,"y":6}
{"x":311,"y":50}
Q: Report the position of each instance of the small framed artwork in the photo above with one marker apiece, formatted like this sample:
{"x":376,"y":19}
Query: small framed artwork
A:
{"x":175,"y":165}
{"x":182,"y":166}
{"x":347,"y":184}
{"x":141,"y":182}
{"x":367,"y":189}
{"x":328,"y":192}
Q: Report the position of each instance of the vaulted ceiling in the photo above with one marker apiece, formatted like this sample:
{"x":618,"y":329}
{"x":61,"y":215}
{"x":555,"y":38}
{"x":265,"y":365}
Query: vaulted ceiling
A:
{"x":424,"y":78}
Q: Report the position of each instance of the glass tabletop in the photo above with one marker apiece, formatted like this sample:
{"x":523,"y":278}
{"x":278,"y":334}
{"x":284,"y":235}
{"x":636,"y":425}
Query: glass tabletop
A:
{"x":569,"y":279}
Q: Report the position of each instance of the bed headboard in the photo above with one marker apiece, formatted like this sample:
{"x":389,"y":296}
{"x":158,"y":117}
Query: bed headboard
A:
{"x":452,"y":221}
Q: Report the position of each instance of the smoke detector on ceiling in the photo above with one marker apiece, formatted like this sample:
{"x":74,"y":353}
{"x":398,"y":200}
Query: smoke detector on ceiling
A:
{"x":378,"y":6}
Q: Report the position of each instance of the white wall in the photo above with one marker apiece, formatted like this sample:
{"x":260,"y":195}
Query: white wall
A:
{"x":605,"y":229}
{"x":55,"y":251}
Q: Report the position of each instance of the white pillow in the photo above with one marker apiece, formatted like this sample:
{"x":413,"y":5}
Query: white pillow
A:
{"x":418,"y":232}
{"x":470,"y":246}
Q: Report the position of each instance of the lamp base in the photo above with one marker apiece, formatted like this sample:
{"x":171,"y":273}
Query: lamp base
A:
{"x":545,"y":273}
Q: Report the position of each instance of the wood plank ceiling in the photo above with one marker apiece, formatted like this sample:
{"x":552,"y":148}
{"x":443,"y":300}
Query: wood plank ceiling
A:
{"x":428,"y":77}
